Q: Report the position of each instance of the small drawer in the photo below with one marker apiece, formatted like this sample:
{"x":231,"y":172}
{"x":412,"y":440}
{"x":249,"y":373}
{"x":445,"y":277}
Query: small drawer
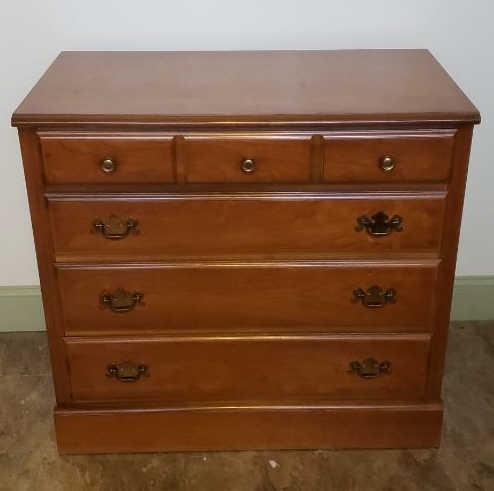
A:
{"x":95,"y":158}
{"x":388,"y":156}
{"x":246,"y":369}
{"x":260,"y":297}
{"x":232,"y":225}
{"x":252,"y":159}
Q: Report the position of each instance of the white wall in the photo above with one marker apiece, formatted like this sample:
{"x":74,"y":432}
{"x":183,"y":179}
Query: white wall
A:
{"x":458,"y":32}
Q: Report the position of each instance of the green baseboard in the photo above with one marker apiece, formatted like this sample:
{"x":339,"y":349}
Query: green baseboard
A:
{"x":21,"y":310}
{"x":473,"y":298}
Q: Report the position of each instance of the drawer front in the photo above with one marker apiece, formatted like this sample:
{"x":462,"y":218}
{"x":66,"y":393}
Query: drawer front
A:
{"x":107,"y":159}
{"x":258,"y":298}
{"x":388,"y":157}
{"x":247,"y":160}
{"x":187,"y":225}
{"x":253,"y":370}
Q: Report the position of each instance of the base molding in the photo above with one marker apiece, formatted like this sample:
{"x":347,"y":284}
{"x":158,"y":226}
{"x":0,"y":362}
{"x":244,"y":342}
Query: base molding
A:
{"x":247,"y":428}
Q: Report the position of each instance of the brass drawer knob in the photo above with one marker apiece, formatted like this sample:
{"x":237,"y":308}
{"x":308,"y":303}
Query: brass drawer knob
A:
{"x":380,"y":224}
{"x":370,"y":368}
{"x":108,"y":166}
{"x":127,"y":371}
{"x":387,"y":163}
{"x":375,"y":297}
{"x":115,"y":228}
{"x":248,"y":166}
{"x":121,"y":300}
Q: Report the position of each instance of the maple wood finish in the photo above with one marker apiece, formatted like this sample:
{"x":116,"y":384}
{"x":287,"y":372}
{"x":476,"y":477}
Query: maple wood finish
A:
{"x":79,"y":158}
{"x":221,"y":159}
{"x":246,"y":249}
{"x":206,"y":370}
{"x":307,"y":87}
{"x":263,"y":224}
{"x":313,"y":297}
{"x":255,"y":427}
{"x":414,"y":156}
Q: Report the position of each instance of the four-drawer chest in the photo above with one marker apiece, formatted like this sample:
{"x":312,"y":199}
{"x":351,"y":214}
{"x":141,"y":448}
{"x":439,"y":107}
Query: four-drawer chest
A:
{"x":246,"y":250}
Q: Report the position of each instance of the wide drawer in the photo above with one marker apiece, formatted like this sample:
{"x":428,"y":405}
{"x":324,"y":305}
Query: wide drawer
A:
{"x":231,"y":225}
{"x":249,"y":159}
{"x":388,"y":157}
{"x":99,"y":158}
{"x":254,"y":370}
{"x":229,"y":297}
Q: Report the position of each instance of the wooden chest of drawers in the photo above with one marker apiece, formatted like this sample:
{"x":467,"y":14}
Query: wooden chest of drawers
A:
{"x":246,"y":250}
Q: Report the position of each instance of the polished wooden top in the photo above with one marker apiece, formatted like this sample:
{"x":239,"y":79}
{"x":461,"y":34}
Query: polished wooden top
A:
{"x":354,"y":86}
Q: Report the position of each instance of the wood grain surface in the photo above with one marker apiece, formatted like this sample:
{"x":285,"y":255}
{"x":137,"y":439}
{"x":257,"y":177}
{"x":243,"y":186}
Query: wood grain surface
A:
{"x":228,"y":224}
{"x":77,"y":157}
{"x":234,"y":297}
{"x":258,"y":370}
{"x":241,"y":428}
{"x":247,"y":319}
{"x":352,"y":86}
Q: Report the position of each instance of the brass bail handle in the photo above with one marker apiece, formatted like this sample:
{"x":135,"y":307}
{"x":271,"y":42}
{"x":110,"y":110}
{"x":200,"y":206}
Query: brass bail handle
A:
{"x":375,"y":296}
{"x":115,"y":228}
{"x":121,"y":300}
{"x":379,"y":225}
{"x":127,"y":371}
{"x":370,"y":368}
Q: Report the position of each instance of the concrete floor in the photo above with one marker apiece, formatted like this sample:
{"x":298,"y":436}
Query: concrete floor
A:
{"x":29,"y":459}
